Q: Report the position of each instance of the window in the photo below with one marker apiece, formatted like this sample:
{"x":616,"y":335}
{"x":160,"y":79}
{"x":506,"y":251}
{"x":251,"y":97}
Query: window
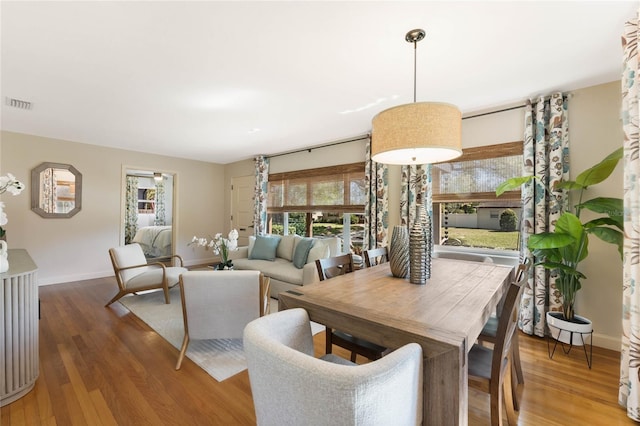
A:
{"x":466,"y":210}
{"x":319,"y":202}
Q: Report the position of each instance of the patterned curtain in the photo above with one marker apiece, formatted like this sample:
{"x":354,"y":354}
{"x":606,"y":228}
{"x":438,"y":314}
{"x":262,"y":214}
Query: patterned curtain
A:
{"x":260,"y":195}
{"x":629,"y":390}
{"x":415,"y":179}
{"x":48,"y":190}
{"x":131,"y":209}
{"x":160,"y":204}
{"x":546,"y":155}
{"x":376,"y":208}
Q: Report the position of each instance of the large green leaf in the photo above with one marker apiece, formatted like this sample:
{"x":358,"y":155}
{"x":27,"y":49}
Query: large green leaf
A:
{"x":612,"y":207}
{"x":550,"y":240}
{"x":600,"y":171}
{"x":568,"y":223}
{"x":609,"y":235}
{"x":613,"y":221}
{"x":512,"y":184}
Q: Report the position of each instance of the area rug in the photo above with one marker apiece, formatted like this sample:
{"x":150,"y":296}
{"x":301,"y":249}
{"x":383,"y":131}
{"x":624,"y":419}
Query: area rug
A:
{"x":221,"y":358}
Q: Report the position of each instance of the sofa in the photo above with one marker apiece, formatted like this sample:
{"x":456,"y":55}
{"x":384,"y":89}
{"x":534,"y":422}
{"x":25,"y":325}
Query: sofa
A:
{"x":288,"y":260}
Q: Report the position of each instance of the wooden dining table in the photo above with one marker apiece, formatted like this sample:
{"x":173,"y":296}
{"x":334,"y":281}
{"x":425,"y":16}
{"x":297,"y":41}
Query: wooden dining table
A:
{"x":445,"y":316}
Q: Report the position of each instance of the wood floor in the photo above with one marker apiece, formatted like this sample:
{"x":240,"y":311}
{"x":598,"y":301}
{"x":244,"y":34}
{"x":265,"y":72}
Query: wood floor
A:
{"x":104,"y":366}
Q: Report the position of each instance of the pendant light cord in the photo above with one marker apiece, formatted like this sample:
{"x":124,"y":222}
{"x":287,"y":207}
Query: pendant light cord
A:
{"x":415,"y":68}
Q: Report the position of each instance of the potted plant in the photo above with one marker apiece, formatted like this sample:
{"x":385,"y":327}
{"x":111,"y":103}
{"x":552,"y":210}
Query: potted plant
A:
{"x":564,"y":248}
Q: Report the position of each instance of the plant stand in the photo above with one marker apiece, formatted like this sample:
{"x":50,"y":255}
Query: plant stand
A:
{"x":571,"y":333}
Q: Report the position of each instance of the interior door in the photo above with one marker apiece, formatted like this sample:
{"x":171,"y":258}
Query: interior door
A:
{"x":242,"y":207}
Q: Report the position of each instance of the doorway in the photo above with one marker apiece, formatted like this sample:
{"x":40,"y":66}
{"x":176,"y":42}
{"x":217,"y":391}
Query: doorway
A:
{"x":242,"y":207}
{"x":148,"y":212}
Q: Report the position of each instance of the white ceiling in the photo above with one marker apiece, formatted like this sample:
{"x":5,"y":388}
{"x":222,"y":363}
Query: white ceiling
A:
{"x":225,"y":81}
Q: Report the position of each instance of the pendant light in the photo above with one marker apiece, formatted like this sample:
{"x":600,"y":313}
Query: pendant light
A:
{"x":417,"y":133}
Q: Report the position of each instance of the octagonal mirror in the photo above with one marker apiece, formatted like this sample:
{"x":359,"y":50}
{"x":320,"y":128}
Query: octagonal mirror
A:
{"x":56,"y":190}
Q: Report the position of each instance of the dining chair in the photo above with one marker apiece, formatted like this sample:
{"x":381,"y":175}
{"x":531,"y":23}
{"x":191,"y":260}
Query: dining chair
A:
{"x":490,"y":369}
{"x":376,"y":256}
{"x":490,"y":329}
{"x":331,"y":267}
{"x":134,"y":274}
{"x":219,"y":304}
{"x":292,"y":387}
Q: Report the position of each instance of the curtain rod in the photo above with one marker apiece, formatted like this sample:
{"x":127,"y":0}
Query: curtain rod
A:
{"x":359,"y":138}
{"x":546,"y":98}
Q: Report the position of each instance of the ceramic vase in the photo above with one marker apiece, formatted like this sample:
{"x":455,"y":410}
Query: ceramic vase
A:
{"x":399,"y":252}
{"x":4,"y":257}
{"x":419,"y":250}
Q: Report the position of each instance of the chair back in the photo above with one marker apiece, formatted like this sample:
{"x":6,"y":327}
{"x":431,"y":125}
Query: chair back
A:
{"x":333,"y":266}
{"x":312,"y":391}
{"x":219,"y":304}
{"x":507,"y":322}
{"x":376,"y":256}
{"x":124,"y":257}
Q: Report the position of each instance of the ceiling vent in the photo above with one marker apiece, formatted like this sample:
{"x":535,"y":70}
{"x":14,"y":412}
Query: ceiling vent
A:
{"x":18,"y":103}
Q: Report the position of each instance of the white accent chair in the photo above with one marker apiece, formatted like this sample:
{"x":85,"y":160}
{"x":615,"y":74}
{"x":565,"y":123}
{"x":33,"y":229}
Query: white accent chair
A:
{"x":292,"y":387}
{"x":219,"y":304}
{"x":134,"y":274}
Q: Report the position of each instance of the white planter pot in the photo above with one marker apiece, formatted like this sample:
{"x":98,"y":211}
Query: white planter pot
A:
{"x":570,"y":332}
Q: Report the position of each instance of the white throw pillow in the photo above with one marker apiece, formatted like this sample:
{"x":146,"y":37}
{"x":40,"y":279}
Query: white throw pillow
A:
{"x":319,"y":250}
{"x":252,"y":241}
{"x":285,"y":247}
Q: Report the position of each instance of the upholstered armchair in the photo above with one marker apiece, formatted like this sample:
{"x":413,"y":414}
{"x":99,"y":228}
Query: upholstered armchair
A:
{"x":134,"y":274}
{"x":219,"y":304}
{"x":291,"y":386}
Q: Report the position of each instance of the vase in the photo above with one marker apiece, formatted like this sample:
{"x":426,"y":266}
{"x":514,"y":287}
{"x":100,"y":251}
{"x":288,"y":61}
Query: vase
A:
{"x":4,"y":257}
{"x":420,"y":248}
{"x":399,"y":252}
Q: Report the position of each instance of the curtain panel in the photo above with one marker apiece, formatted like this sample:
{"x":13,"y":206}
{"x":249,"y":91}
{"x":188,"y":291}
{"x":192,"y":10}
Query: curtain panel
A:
{"x":629,"y":390}
{"x":160,"y":217}
{"x":416,"y":179}
{"x":376,"y":207}
{"x":260,"y":195}
{"x":131,"y":209}
{"x":545,"y":155}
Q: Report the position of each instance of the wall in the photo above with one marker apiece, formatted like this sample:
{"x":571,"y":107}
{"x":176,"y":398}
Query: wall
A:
{"x":77,"y":248}
{"x":595,"y":131}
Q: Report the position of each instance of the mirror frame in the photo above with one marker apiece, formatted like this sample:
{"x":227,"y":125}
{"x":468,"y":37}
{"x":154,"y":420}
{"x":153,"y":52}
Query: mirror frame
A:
{"x":35,"y":190}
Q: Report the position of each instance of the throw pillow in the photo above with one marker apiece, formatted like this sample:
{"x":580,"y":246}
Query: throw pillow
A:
{"x":319,"y":251}
{"x":285,"y":247}
{"x":302,"y":252}
{"x":265,"y":248}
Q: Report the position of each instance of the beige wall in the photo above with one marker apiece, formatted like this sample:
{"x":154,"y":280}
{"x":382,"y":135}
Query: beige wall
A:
{"x":77,"y":248}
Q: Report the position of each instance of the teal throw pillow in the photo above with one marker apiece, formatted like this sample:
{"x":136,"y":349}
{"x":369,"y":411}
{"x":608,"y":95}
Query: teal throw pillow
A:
{"x":265,"y":248}
{"x":302,"y":252}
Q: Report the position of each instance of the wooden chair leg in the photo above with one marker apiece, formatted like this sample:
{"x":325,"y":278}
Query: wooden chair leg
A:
{"x":116,"y":297}
{"x":516,"y":359}
{"x":166,"y":293}
{"x":328,"y":343}
{"x":353,"y":356}
{"x":508,"y":395}
{"x":183,"y":350}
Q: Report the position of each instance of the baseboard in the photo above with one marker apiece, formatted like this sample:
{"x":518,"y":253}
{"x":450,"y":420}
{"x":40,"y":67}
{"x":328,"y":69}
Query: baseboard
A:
{"x":607,"y":342}
{"x":71,"y":278}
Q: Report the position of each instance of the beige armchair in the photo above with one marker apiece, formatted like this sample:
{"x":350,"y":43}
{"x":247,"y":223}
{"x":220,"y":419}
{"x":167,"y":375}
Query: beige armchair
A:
{"x":134,"y":274}
{"x":292,"y":387}
{"x":219,"y":304}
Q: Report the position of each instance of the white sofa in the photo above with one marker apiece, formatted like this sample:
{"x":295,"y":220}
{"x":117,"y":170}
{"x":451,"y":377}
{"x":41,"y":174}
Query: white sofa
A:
{"x":283,"y":272}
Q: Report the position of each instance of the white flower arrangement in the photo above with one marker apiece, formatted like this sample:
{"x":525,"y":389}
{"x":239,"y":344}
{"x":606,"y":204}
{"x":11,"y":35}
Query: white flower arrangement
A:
{"x":10,"y":184}
{"x":220,"y":246}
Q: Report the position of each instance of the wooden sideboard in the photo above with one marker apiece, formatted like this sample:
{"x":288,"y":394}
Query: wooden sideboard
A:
{"x":19,"y":333}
